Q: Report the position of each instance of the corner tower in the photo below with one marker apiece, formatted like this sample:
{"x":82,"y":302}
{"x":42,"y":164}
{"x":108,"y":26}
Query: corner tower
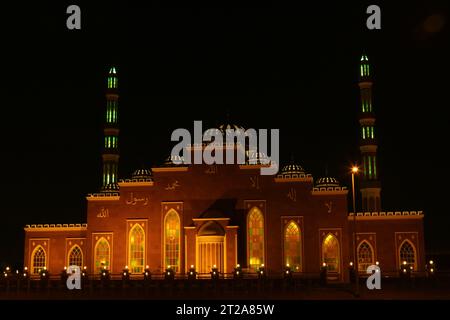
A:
{"x":110,"y":153}
{"x":370,"y":184}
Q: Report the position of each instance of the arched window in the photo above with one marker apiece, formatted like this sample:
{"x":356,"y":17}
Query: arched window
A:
{"x":407,"y":253}
{"x":365,"y":256}
{"x":102,"y":254}
{"x":136,"y":249}
{"x":39,"y":260}
{"x":330,"y":253}
{"x":255,"y":238}
{"x":292,"y":246}
{"x":75,"y":256}
{"x":172,"y":240}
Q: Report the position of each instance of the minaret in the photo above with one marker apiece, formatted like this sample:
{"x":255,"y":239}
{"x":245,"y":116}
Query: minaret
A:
{"x":370,"y":183}
{"x":110,"y":154}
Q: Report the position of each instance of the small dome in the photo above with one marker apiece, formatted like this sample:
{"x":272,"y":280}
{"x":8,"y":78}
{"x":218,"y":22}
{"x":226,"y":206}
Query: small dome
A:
{"x":292,"y":169}
{"x":170,"y":159}
{"x":142,"y":174}
{"x":258,"y":158}
{"x":111,"y":187}
{"x":326,"y":182}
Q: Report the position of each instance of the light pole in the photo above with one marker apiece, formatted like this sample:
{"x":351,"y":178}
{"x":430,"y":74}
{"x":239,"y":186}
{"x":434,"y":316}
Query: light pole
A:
{"x":355,"y":170}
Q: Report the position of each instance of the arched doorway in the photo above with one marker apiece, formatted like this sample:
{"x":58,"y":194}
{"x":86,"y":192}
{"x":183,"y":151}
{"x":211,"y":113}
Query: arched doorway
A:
{"x":210,"y":247}
{"x":331,"y":255}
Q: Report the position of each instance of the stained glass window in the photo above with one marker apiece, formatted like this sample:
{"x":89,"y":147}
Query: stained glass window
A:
{"x":102,"y":254}
{"x":172,"y":240}
{"x":137,"y":249}
{"x":39,"y":259}
{"x":76,"y":257}
{"x":365,"y":256}
{"x":330,"y":253}
{"x":408,"y":254}
{"x":255,"y":238}
{"x":292,"y":246}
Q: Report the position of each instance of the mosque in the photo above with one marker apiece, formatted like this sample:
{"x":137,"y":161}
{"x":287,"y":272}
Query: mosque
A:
{"x":177,"y":216}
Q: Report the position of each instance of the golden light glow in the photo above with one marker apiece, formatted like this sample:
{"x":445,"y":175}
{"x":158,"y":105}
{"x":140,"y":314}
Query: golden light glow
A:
{"x":192,"y":266}
{"x":351,"y":264}
{"x":238,"y":265}
{"x":404,"y":263}
{"x":431,"y":262}
{"x":324,"y":264}
{"x":377,"y":263}
{"x":355,"y":169}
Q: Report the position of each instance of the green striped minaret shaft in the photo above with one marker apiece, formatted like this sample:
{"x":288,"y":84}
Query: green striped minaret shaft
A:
{"x":370,"y":186}
{"x":110,"y":153}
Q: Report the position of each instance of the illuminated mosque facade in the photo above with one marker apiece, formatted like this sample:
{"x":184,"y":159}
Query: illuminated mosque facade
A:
{"x":178,"y":216}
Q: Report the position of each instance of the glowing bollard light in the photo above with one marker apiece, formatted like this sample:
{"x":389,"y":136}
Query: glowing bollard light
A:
{"x":44,"y":274}
{"x":125,"y":274}
{"x":147,"y":274}
{"x":237,"y":274}
{"x":169,"y":274}
{"x":192,"y":273}
{"x":104,"y":274}
{"x":215,"y":274}
{"x":323,"y":273}
{"x":287,"y":272}
{"x":262,"y":272}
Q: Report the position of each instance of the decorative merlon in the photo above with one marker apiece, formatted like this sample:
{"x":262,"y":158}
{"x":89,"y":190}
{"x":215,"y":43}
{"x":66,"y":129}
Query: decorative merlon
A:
{"x":56,"y":227}
{"x":330,"y":189}
{"x":379,"y":215}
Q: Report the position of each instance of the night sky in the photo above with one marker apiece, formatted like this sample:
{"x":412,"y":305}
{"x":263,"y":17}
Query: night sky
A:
{"x":292,"y":68}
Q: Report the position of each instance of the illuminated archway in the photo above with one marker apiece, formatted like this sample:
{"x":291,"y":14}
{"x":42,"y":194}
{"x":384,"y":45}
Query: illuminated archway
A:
{"x":136,"y":249}
{"x":38,"y":260}
{"x":102,"y":254}
{"x":292,"y":246}
{"x":365,"y":256}
{"x":255,"y":238}
{"x":331,"y":253}
{"x":407,"y":252}
{"x":172,"y":239}
{"x":75,"y":257}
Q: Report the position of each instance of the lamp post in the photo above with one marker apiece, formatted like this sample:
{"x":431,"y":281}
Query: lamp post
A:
{"x":355,"y":170}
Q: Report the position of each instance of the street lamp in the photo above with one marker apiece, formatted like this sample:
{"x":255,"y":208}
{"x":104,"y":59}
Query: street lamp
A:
{"x":355,"y":171}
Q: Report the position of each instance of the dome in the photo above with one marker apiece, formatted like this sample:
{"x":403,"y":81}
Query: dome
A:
{"x":292,"y":169}
{"x":171,"y":158}
{"x":111,"y":187}
{"x":326,"y":182}
{"x":258,"y":158}
{"x":141,"y":174}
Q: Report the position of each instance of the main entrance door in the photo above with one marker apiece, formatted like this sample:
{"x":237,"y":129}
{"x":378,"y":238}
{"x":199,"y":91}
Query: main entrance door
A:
{"x":210,"y":248}
{"x":210,"y":252}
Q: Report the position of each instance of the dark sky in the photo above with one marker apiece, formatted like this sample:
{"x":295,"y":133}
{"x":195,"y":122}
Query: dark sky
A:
{"x":292,"y":68}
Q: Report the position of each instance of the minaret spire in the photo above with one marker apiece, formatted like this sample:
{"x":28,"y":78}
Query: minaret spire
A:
{"x":110,"y":154}
{"x":370,"y":184}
